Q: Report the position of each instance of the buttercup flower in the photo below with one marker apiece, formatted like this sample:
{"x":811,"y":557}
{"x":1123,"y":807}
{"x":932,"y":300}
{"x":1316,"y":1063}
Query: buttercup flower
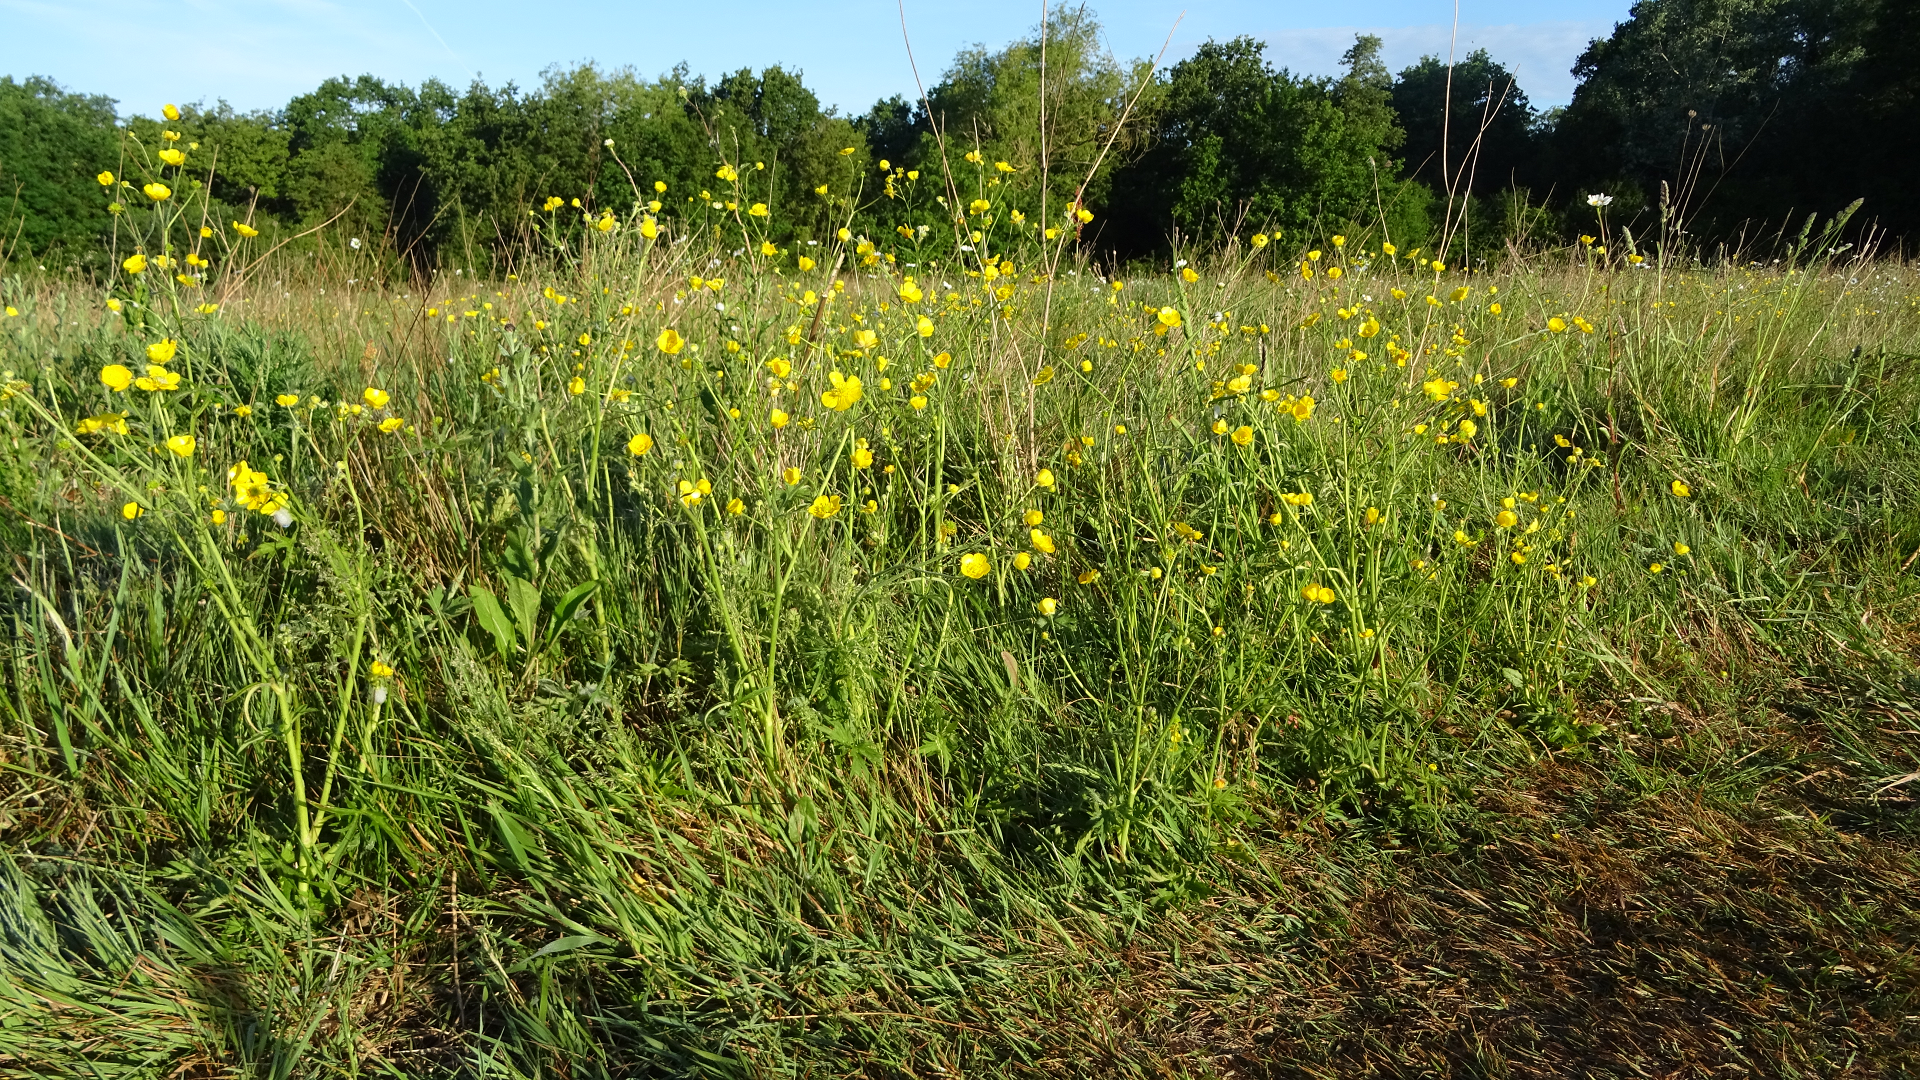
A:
{"x":115,"y":378}
{"x":181,"y":445}
{"x":845,"y":393}
{"x":975,"y":565}
{"x":375,"y":398}
{"x":670,"y":341}
{"x":640,"y":444}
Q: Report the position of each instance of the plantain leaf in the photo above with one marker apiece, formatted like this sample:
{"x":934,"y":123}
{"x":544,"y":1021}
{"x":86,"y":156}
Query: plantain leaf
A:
{"x":486,"y":609}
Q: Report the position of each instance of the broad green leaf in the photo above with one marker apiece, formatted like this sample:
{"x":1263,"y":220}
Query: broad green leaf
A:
{"x":486,"y":608}
{"x":524,"y":599}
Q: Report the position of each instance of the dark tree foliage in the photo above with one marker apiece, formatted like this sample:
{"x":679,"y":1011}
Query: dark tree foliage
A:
{"x":1749,"y":110}
{"x":1241,"y":145}
{"x":1489,"y":130}
{"x":52,"y":143}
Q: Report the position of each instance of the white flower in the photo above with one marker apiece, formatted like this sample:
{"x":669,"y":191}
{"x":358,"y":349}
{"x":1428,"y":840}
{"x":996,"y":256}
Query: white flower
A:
{"x":282,"y":517}
{"x":379,"y":695}
{"x":1599,"y":200}
{"x":608,"y":144}
{"x":354,"y":243}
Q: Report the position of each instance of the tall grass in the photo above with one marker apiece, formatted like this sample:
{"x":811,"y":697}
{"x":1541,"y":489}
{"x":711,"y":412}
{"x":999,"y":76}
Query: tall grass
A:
{"x":577,"y":717}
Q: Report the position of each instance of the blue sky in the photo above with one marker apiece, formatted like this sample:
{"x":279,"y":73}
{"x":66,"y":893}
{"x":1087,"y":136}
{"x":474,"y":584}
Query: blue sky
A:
{"x":259,"y":53}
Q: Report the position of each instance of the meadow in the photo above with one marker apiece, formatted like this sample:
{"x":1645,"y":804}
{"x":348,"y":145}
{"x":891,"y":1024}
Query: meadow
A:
{"x":672,"y":653}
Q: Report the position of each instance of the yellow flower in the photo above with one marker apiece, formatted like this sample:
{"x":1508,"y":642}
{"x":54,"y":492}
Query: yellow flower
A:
{"x":824,"y":506}
{"x":670,"y":341}
{"x":691,"y":493}
{"x":116,"y":378}
{"x":243,"y":410}
{"x":158,"y":192}
{"x":779,"y":419}
{"x":1260,"y":240}
{"x":106,"y":179}
{"x":1302,"y":410}
{"x":392,"y":424}
{"x":941,"y":361}
{"x":171,"y":112}
{"x":135,"y":264}
{"x":1681,"y":549}
{"x":287,"y":400}
{"x":1044,"y":478}
{"x":640,"y":444}
{"x":161,"y":351}
{"x":918,"y":401}
{"x":375,"y":398}
{"x":975,"y":565}
{"x":576,"y":385}
{"x":1033,"y":517}
{"x":1557,"y":325}
{"x":1655,"y":568}
{"x":172,"y":157}
{"x":380,"y":670}
{"x":1459,"y":294}
{"x":130,"y":511}
{"x":245,"y":230}
{"x":1468,"y":429}
{"x":181,"y":445}
{"x":1048,"y":605}
{"x":862,"y":457}
{"x":219,"y":517}
{"x":1680,"y":489}
{"x":1506,"y":519}
{"x":791,"y":475}
{"x":1169,"y":318}
{"x":1041,"y":541}
{"x":845,"y":393}
{"x":1022,"y":560}
{"x":865,"y":339}
{"x":1089,"y":577}
{"x":1243,"y":435}
{"x":1318,"y":593}
{"x":758,"y":209}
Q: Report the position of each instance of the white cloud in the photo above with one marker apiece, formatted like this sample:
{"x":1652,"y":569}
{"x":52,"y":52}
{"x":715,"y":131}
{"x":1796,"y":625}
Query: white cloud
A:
{"x":1540,"y":55}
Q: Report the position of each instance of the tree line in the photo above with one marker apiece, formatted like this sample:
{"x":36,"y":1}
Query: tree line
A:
{"x":1722,"y":117}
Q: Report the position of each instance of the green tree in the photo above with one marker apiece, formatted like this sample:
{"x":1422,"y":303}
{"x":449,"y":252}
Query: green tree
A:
{"x":52,"y":143}
{"x":1239,"y":144}
{"x":993,"y":101}
{"x":1489,"y":129}
{"x":1747,"y":109}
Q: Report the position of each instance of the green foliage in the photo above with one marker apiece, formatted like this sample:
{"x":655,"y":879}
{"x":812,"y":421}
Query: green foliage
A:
{"x":1241,"y":147}
{"x":1747,"y":109}
{"x":52,"y":143}
{"x":1491,"y":143}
